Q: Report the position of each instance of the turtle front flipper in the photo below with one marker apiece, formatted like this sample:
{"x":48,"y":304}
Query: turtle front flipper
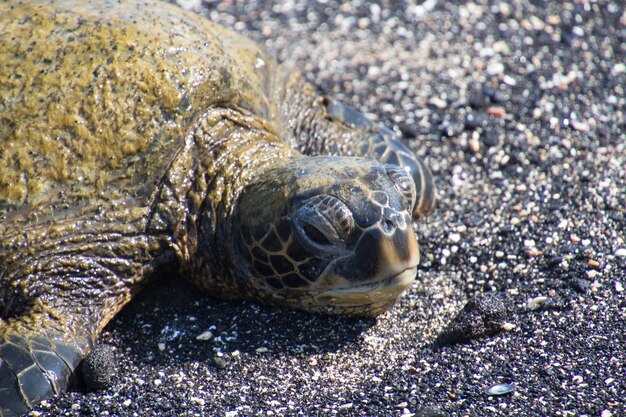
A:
{"x":61,"y":281}
{"x":37,"y":358}
{"x":321,"y":125}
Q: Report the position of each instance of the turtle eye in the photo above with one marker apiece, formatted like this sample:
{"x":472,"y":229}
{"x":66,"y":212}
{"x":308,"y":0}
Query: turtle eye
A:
{"x":314,"y":234}
{"x":404,"y":183}
{"x":323,"y":221}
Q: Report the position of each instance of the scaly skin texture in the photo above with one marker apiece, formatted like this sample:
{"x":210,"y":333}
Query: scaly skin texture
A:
{"x":137,"y":135}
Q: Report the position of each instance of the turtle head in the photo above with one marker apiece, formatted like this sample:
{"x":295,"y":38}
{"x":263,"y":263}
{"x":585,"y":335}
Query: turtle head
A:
{"x":328,"y":234}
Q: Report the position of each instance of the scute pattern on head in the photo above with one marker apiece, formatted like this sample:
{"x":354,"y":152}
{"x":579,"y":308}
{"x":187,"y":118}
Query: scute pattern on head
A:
{"x":326,"y":225}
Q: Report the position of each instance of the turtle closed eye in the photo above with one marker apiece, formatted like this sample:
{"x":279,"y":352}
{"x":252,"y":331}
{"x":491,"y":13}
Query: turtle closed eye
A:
{"x":323,"y":221}
{"x":404,"y":183}
{"x":315,"y":234}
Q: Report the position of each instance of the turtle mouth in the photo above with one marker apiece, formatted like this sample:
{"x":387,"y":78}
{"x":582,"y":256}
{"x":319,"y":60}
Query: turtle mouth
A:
{"x":380,"y":294}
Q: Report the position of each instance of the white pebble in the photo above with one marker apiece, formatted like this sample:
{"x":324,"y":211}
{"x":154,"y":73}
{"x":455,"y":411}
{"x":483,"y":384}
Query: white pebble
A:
{"x":507,"y":327}
{"x":157,"y":382}
{"x":621,"y":252}
{"x":508,"y":80}
{"x":535,"y":303}
{"x":195,"y":5}
{"x":618,"y":68}
{"x":619,"y":287}
{"x":592,"y":273}
{"x":161,"y":346}
{"x":199,"y":401}
{"x":454,"y":237}
{"x":438,"y":102}
{"x":204,"y":336}
{"x":495,"y":68}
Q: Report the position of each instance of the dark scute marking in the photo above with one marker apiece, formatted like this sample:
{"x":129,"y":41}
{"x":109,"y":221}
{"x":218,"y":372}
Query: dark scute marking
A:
{"x":380,"y":197}
{"x":69,"y":354}
{"x":311,"y":269}
{"x":40,"y":344}
{"x":296,"y":251}
{"x":275,"y":283}
{"x":262,"y":269}
{"x":363,"y":148}
{"x":246,"y":235}
{"x":283,"y":228}
{"x":259,"y":254}
{"x":35,"y":385}
{"x":408,"y":161}
{"x":364,"y":211}
{"x":294,"y":281}
{"x":51,"y":363}
{"x":281,"y":264}
{"x":392,"y":158}
{"x":378,"y":150}
{"x":259,"y":230}
{"x":16,"y":357}
{"x":272,"y":243}
{"x":11,"y":402}
{"x":247,"y":256}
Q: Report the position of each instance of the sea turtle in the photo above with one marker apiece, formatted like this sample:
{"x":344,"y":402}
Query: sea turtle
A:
{"x":138,"y":135}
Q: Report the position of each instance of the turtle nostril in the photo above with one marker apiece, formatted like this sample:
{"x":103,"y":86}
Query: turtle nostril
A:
{"x":315,"y":234}
{"x":388,"y":225}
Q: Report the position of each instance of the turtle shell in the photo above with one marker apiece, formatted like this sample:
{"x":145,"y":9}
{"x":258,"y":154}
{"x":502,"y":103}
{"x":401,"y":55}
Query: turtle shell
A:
{"x":96,"y":102}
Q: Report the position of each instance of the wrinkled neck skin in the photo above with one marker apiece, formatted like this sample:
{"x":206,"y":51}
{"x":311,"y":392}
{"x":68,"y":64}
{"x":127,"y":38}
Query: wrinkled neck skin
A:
{"x":223,"y":152}
{"x":300,"y":110}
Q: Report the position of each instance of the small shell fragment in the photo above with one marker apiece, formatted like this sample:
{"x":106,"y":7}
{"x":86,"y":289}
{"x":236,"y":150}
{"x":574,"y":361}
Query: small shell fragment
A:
{"x":535,"y":303}
{"x":204,"y":336}
{"x":500,"y":389}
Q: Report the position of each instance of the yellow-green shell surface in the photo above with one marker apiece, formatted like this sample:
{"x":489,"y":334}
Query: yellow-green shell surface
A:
{"x":96,"y":99}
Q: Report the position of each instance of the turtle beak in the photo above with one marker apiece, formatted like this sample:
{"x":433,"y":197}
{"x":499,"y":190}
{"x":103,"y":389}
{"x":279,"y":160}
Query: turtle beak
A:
{"x":383,"y":266}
